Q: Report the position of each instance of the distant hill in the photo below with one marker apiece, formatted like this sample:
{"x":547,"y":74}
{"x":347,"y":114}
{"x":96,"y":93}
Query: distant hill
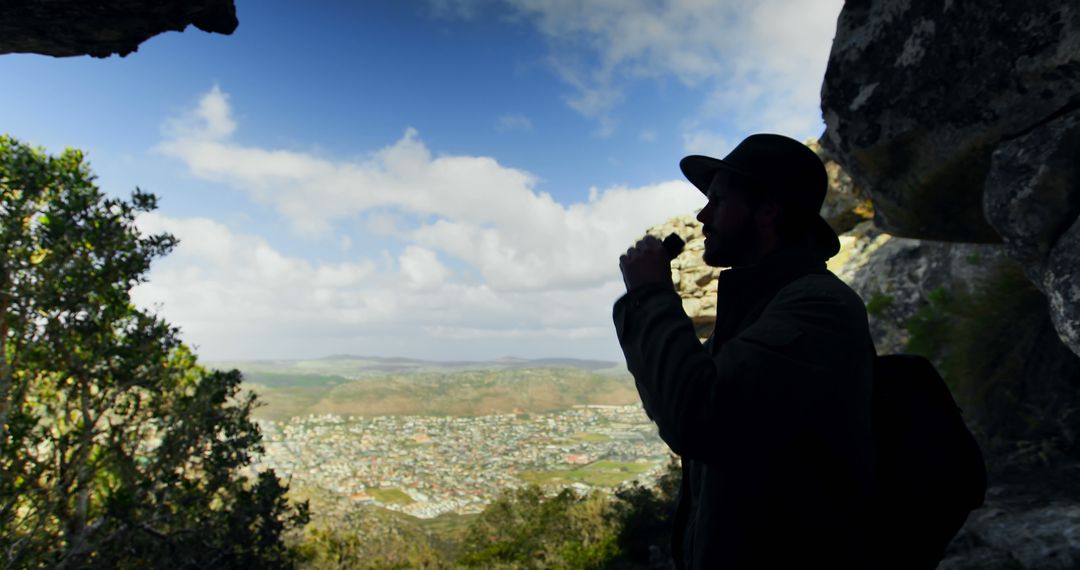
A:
{"x":353,"y":366}
{"x":355,"y":385}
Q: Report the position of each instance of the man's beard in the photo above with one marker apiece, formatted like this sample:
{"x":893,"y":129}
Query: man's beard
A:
{"x":732,"y":246}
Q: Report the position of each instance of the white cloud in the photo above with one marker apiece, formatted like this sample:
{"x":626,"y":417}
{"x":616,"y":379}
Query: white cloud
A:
{"x":700,"y":141}
{"x":421,"y":268}
{"x":484,"y":253}
{"x":515,"y":122}
{"x":478,"y":211}
{"x":236,"y":297}
{"x":210,"y":120}
{"x":761,"y":61}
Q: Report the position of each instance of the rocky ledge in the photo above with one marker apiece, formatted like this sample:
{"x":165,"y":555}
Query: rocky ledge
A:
{"x":74,"y":27}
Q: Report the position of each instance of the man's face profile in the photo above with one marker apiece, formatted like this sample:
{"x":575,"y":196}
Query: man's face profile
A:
{"x":731,"y":237}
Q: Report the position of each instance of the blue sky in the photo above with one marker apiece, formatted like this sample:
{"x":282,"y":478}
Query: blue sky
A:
{"x":437,"y":179}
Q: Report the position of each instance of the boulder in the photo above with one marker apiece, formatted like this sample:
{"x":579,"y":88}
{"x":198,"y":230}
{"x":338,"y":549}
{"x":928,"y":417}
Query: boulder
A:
{"x":1032,"y":192}
{"x":1061,"y":281}
{"x":846,"y":202}
{"x":74,"y":27}
{"x":1032,"y":199}
{"x":896,"y":276}
{"x":1024,"y":407}
{"x":1033,"y":524}
{"x":694,"y":281}
{"x":918,"y":95}
{"x":961,"y":119}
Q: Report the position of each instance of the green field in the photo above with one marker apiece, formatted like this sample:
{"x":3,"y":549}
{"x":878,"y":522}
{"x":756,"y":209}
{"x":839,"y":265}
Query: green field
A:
{"x":590,"y":437}
{"x":391,"y":496}
{"x":598,"y":474}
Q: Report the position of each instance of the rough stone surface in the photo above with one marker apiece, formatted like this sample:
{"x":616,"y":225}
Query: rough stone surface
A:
{"x":917,"y":96}
{"x":1032,"y":193}
{"x":895,"y":276}
{"x":1030,"y":523}
{"x":846,"y":203}
{"x":1061,"y":282}
{"x":101,"y":29}
{"x":695,"y":281}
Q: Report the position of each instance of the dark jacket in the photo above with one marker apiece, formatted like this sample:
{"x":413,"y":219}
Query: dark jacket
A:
{"x":771,"y":416}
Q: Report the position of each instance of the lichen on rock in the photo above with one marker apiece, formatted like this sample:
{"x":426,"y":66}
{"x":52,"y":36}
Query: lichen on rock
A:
{"x":917,"y":96}
{"x":963,"y":122}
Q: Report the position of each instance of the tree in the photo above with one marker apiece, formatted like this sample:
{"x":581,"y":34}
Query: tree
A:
{"x":523,"y":528}
{"x":643,"y":514}
{"x":118,"y":449}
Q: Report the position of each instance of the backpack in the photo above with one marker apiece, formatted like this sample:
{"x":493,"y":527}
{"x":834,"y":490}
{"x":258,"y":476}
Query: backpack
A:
{"x":930,"y":471}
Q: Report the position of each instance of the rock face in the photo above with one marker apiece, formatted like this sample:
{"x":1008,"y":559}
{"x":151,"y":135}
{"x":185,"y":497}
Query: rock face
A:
{"x":1032,"y":199}
{"x":100,"y":29}
{"x":963,"y":121}
{"x":917,"y":96}
{"x":695,"y":281}
{"x":896,"y":276}
{"x":846,"y":203}
{"x":1022,"y":526}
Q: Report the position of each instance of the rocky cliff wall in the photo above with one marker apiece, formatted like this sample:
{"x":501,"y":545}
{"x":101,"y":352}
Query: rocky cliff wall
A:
{"x":963,"y":121}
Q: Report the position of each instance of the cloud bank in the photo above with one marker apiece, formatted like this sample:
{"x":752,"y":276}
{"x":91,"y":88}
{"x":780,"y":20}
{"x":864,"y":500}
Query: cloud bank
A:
{"x":482,"y":254}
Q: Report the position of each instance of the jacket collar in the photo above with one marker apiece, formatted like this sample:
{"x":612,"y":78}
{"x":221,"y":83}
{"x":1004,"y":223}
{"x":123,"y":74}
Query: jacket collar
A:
{"x":743,"y":291}
{"x":781,"y":267}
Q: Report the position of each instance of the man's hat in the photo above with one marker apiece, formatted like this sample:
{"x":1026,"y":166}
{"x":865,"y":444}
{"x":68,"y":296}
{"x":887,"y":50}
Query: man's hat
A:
{"x":782,"y":166}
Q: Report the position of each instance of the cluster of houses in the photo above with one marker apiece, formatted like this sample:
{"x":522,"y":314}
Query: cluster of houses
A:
{"x":429,"y":465}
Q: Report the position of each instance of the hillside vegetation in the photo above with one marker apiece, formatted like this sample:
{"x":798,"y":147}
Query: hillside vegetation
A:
{"x":456,"y":393}
{"x":523,"y":528}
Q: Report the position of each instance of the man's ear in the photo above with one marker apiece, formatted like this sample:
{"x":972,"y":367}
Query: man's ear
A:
{"x":768,"y":214}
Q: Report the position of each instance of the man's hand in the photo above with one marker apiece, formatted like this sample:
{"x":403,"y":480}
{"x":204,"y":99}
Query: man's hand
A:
{"x":646,"y":263}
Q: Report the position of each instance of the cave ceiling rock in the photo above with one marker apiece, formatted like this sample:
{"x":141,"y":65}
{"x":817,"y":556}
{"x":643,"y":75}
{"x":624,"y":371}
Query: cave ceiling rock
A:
{"x":961,"y":121}
{"x":103,"y":28}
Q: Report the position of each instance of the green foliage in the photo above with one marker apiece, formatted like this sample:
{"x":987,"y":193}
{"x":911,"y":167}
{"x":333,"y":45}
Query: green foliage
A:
{"x":525,"y":529}
{"x":343,"y":535}
{"x":929,"y":327}
{"x":119,"y":450}
{"x":391,"y":496}
{"x":599,"y":473}
{"x":981,"y":341}
{"x":361,"y":542}
{"x":642,"y":515}
{"x":878,"y":303}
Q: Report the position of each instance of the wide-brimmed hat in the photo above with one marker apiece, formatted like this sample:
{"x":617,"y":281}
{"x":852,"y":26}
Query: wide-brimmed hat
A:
{"x":782,"y":166}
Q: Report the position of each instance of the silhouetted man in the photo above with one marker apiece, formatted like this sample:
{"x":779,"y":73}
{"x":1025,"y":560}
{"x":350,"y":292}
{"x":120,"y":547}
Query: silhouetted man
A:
{"x":771,"y":416}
